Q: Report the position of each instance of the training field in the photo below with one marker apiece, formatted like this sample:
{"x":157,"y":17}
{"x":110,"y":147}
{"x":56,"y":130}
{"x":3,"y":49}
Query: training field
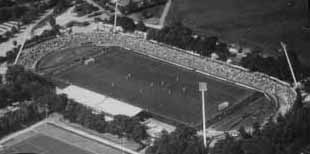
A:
{"x":46,"y":145}
{"x":48,"y":138}
{"x":258,"y":23}
{"x":158,"y":87}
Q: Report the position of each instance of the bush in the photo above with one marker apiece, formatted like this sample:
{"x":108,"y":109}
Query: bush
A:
{"x":289,"y":134}
{"x":184,"y":38}
{"x":126,"y":23}
{"x":77,"y":23}
{"x":84,"y":8}
{"x":136,"y":6}
{"x":122,"y":126}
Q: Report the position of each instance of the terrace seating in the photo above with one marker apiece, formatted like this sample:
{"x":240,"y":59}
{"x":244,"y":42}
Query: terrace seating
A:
{"x":219,"y":69}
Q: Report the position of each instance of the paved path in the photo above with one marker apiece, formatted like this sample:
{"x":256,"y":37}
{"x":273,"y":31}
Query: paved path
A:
{"x":162,"y":18}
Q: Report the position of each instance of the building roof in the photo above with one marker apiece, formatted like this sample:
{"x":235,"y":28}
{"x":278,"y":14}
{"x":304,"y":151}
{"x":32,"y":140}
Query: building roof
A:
{"x":99,"y":102}
{"x":155,"y":127}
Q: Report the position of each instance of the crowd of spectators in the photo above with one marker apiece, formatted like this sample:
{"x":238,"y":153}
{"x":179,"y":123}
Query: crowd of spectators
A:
{"x":262,"y":82}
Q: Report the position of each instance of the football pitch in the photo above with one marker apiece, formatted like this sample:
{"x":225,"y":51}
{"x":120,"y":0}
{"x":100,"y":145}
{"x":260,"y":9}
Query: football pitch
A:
{"x":48,"y":138}
{"x":163,"y":89}
{"x":41,"y":144}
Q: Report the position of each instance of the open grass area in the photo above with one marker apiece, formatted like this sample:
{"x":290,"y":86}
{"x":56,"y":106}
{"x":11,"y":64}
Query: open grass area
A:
{"x":47,"y":145}
{"x":48,"y":138}
{"x":161,"y":88}
{"x":254,"y":23}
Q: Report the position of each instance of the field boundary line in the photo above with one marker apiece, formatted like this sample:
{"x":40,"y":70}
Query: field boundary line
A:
{"x":92,"y":137}
{"x":15,"y":134}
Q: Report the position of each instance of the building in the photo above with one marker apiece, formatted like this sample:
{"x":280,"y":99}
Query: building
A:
{"x":100,"y":103}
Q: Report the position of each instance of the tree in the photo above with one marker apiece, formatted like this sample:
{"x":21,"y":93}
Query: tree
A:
{"x":182,"y":141}
{"x":289,"y":134}
{"x":141,"y":26}
{"x":126,"y":23}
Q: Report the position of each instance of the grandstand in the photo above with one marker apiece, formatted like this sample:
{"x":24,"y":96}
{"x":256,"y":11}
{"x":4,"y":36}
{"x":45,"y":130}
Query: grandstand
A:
{"x":99,"y":102}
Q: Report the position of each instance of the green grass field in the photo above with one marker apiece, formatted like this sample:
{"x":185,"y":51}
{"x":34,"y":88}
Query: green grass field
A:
{"x":161,"y":88}
{"x":255,"y":23}
{"x":48,"y":138}
{"x":41,"y":144}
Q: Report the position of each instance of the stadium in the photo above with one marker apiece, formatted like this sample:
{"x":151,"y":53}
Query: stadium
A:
{"x":158,"y":79}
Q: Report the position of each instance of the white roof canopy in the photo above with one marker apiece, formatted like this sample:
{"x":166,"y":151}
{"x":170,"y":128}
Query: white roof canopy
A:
{"x":99,"y":102}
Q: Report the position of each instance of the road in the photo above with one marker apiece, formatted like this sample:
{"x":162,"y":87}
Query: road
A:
{"x":162,"y":18}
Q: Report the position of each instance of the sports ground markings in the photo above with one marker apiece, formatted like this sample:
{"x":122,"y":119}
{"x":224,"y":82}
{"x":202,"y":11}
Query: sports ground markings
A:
{"x":94,"y":138}
{"x":46,"y":125}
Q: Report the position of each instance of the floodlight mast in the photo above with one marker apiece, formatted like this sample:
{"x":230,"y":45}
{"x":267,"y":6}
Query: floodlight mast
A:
{"x":115,"y":16}
{"x":203,"y":89}
{"x":20,"y":49}
{"x":289,"y":64}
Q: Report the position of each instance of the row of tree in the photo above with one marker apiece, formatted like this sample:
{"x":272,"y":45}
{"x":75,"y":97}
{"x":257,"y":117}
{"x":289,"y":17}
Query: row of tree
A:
{"x":277,"y":67}
{"x":33,"y":94}
{"x":183,"y":140}
{"x":137,"y":6}
{"x":128,"y":24}
{"x":83,"y":8}
{"x":122,"y":126}
{"x":22,"y":85}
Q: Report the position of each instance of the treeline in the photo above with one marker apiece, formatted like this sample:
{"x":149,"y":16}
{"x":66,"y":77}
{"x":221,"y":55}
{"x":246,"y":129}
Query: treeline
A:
{"x":276,"y":66}
{"x":289,"y":134}
{"x":127,"y":24}
{"x":37,"y":98}
{"x":184,"y":38}
{"x":121,"y":126}
{"x":183,"y":140}
{"x":32,"y":94}
{"x":27,"y":11}
{"x":136,"y":6}
{"x":22,"y":85}
{"x":83,"y":8}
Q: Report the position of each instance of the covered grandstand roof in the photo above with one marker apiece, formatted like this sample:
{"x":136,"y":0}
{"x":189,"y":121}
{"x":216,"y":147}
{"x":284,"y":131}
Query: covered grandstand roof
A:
{"x":99,"y":102}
